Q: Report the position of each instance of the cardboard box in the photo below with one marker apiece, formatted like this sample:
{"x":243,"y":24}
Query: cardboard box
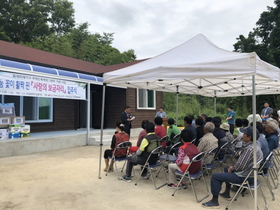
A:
{"x":14,"y":135}
{"x":4,"y":134}
{"x":18,"y":120}
{"x":5,"y":121}
{"x":15,"y":128}
{"x":14,"y":131}
{"x":25,"y":131}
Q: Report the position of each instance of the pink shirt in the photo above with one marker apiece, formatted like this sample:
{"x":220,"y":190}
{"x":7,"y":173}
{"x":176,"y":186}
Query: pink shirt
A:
{"x":141,"y":136}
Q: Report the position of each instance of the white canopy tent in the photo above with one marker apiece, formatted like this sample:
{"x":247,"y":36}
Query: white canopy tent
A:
{"x":200,"y":67}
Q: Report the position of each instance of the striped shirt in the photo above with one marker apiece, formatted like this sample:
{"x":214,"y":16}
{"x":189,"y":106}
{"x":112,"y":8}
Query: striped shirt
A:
{"x":244,"y":164}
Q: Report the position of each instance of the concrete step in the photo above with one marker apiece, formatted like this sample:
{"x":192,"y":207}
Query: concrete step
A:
{"x":95,"y":140}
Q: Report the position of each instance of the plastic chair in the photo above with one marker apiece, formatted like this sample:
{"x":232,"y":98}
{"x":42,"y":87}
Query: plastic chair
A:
{"x":210,"y":166}
{"x":246,"y":185}
{"x":123,"y":145}
{"x":152,"y":167}
{"x":191,"y":177}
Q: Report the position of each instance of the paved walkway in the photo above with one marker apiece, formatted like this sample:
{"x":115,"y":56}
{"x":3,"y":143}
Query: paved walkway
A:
{"x":68,"y":179}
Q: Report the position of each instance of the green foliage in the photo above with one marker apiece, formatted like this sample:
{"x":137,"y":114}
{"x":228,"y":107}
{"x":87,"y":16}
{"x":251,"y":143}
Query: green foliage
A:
{"x":81,"y":44}
{"x":197,"y":105}
{"x":25,"y":20}
{"x":265,"y":41}
{"x":265,"y":38}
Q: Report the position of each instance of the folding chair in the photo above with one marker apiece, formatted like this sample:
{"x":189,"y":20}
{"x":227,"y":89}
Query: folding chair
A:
{"x":210,"y":166}
{"x":233,"y":152}
{"x":193,"y":141}
{"x":267,"y":175}
{"x":123,"y":145}
{"x":222,"y":160}
{"x":151,"y":167}
{"x":246,"y":185}
{"x":176,"y":139}
{"x":163,"y":141}
{"x":169,"y":157}
{"x":191,"y":177}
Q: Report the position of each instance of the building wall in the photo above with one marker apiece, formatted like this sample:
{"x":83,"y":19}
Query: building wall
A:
{"x":115,"y":105}
{"x":141,"y":114}
{"x":64,"y":117}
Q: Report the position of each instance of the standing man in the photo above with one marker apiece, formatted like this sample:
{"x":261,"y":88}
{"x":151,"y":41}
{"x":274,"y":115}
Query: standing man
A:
{"x":230,"y":119}
{"x":161,"y":113}
{"x":126,"y":119}
{"x":266,"y":111}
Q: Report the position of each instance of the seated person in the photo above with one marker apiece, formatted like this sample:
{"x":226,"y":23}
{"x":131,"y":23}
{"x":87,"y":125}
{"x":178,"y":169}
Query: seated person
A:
{"x":148,"y":144}
{"x":245,"y":123}
{"x":237,"y":134}
{"x":188,"y":126}
{"x":229,"y":138}
{"x":185,"y":155}
{"x":160,"y":130}
{"x":250,"y":118}
{"x":208,"y":142}
{"x":141,"y":136}
{"x":172,"y":131}
{"x":236,"y":173}
{"x":199,"y":130}
{"x":263,"y":144}
{"x":119,"y":137}
{"x":271,"y":128}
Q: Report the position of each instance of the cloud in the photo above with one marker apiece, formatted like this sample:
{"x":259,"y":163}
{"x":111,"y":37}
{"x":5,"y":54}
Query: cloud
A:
{"x":153,"y":27}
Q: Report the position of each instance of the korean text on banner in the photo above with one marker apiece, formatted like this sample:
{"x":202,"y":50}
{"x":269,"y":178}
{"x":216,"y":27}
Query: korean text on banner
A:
{"x":35,"y":86}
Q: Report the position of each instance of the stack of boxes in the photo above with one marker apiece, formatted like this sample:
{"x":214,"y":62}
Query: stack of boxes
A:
{"x":10,"y":126}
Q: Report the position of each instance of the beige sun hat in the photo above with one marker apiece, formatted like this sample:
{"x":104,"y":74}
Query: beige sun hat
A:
{"x":224,"y":126}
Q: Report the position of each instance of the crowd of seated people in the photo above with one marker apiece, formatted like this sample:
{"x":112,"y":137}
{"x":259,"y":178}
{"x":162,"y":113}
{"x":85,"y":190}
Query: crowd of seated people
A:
{"x":202,"y":135}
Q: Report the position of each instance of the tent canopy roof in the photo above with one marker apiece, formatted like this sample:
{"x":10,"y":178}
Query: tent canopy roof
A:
{"x":200,"y":67}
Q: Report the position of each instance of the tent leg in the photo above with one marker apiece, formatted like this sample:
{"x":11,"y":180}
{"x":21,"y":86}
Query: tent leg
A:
{"x":88,"y":113}
{"x":101,"y":133}
{"x":254,"y":141}
{"x":215,"y":106}
{"x":177,"y":104}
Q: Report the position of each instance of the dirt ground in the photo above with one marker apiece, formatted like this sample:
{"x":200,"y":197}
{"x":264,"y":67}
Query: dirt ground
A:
{"x":68,"y":179}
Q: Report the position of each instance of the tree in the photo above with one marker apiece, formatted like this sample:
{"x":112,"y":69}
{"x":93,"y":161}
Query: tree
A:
{"x":81,"y":44}
{"x":25,"y":20}
{"x":265,"y":38}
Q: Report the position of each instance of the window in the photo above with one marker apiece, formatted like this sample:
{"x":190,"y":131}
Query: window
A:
{"x":145,"y":99}
{"x":33,"y":108}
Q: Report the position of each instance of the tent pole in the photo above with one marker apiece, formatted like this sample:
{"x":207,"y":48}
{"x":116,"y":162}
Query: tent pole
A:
{"x":101,"y":133}
{"x":88,"y":112}
{"x":254,"y":140}
{"x":215,"y":104}
{"x":177,"y":93}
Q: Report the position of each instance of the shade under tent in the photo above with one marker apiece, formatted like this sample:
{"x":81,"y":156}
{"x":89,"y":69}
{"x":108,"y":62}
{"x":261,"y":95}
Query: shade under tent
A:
{"x":200,"y":67}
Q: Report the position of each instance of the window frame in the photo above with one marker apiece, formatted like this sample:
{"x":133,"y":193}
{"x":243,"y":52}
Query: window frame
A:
{"x":146,"y":108}
{"x":36,"y":102}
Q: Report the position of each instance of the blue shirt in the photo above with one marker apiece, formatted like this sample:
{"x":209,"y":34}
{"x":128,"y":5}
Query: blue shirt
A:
{"x":231,"y":114}
{"x":272,"y":140}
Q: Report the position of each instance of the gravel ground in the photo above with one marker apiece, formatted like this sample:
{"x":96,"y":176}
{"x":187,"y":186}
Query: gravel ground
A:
{"x":68,"y":179}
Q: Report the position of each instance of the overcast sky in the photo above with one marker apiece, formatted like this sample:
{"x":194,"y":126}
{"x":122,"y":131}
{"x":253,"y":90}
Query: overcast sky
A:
{"x":151,"y":27}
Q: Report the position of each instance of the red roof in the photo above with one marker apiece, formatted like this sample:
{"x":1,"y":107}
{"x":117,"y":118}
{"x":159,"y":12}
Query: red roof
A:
{"x":21,"y":53}
{"x":121,"y":65}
